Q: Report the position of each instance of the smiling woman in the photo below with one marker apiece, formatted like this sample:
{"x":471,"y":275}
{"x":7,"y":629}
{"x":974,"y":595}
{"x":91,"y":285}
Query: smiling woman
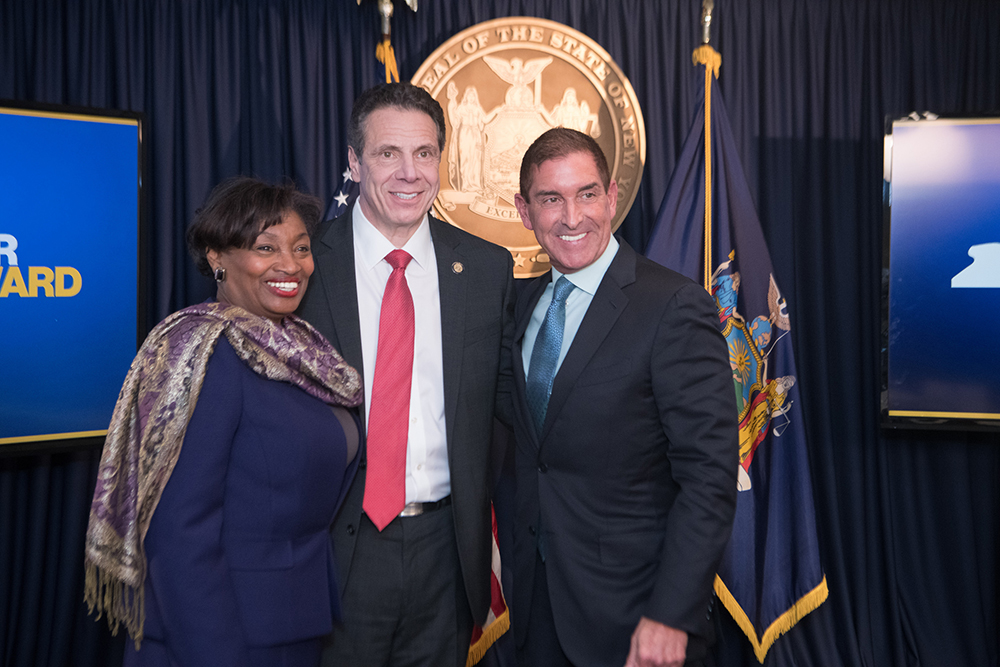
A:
{"x":254,"y":238}
{"x":268,"y":278}
{"x":217,"y":550}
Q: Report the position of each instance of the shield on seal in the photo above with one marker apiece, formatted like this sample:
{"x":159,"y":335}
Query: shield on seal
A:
{"x":507,"y":137}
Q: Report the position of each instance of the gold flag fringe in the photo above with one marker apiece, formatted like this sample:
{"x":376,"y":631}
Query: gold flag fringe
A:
{"x":807,"y":603}
{"x":120,"y":602}
{"x":491,"y":633}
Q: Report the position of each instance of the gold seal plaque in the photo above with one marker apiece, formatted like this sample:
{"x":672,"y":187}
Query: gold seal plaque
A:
{"x":504,"y":82}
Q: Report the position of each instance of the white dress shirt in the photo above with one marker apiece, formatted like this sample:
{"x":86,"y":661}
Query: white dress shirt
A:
{"x":427,"y":476}
{"x":586,"y":281}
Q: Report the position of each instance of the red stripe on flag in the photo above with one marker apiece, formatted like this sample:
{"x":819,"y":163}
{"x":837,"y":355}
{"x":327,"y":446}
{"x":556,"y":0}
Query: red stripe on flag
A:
{"x":498,"y":620}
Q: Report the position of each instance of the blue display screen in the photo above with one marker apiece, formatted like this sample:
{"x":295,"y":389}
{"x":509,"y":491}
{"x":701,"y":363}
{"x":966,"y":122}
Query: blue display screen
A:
{"x":69,"y":230}
{"x":944,"y":269}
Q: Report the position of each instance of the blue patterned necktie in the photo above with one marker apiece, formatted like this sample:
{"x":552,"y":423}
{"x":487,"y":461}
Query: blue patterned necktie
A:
{"x":545,"y":354}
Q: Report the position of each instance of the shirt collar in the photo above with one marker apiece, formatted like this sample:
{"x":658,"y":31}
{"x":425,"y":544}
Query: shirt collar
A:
{"x":371,"y":247}
{"x":589,"y":277}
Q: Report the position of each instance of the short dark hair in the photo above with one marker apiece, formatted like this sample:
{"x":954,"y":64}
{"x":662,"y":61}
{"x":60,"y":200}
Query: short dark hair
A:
{"x":558,"y":143}
{"x":240,"y":208}
{"x":398,"y":95}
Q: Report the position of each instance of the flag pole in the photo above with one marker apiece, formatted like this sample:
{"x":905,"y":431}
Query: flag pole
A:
{"x":710,"y":58}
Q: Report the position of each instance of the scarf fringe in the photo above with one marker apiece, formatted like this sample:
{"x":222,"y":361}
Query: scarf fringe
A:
{"x":112,"y":597}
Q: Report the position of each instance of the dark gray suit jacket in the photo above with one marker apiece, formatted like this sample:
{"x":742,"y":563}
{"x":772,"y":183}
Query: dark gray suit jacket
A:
{"x":633,"y":477}
{"x":477,"y":327}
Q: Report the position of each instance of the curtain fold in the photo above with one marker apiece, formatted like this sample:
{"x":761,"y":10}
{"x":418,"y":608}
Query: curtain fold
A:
{"x":907,"y":520}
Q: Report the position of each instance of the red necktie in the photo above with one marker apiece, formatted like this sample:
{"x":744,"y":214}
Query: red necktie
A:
{"x":389,"y":416}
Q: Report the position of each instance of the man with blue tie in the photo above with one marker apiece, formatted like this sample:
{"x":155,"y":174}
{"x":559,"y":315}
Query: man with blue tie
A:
{"x":626,"y":441}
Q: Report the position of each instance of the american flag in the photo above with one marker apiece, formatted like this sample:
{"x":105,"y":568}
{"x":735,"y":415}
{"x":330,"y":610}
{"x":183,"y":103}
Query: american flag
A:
{"x":348,"y":193}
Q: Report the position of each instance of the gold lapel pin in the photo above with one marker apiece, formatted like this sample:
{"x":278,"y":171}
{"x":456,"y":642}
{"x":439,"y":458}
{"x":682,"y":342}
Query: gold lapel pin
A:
{"x":457,"y":267}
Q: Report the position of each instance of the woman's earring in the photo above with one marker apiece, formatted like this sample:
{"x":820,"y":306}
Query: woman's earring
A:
{"x":220,"y":275}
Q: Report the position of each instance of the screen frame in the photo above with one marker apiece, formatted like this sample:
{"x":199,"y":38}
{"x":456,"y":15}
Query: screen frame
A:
{"x":900,"y":419}
{"x":45,"y":443}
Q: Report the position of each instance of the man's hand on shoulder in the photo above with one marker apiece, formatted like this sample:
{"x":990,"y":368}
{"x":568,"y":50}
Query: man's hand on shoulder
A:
{"x":656,"y":645}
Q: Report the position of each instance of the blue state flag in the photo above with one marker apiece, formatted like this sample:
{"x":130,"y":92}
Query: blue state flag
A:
{"x":770,"y":575}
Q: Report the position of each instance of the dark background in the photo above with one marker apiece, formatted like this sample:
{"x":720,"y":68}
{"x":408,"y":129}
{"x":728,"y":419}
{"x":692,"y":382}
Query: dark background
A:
{"x":908,"y":521}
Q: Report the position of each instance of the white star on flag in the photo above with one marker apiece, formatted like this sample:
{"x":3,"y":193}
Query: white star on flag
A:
{"x":347,"y":194}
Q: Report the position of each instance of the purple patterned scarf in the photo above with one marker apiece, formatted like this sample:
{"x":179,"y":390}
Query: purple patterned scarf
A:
{"x":151,"y":418}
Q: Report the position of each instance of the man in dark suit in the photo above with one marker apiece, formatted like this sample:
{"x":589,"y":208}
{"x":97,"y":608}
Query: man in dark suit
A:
{"x":624,"y":420}
{"x":413,"y":565}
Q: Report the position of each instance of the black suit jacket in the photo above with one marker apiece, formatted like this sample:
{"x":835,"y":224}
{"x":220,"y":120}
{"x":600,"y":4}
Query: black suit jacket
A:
{"x":633,"y":477}
{"x":475,"y":278}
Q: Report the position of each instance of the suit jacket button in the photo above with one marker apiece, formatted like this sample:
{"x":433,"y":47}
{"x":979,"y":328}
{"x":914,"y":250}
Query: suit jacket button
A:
{"x":361,"y":463}
{"x":350,"y":529}
{"x":542,"y":467}
{"x":531,"y":529}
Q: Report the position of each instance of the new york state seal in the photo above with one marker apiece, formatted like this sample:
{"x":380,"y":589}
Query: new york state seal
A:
{"x":504,"y":82}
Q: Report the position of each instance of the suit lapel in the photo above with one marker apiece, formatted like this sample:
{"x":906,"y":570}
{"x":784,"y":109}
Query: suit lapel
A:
{"x":526,"y":302}
{"x":606,"y":307}
{"x":340,"y":285}
{"x":452,"y":288}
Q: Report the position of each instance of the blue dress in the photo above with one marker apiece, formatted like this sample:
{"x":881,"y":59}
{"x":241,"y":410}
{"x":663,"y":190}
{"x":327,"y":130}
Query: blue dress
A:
{"x":240,"y":564}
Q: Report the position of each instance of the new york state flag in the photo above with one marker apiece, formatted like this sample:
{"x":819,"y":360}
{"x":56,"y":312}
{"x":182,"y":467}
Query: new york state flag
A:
{"x":770,"y":575}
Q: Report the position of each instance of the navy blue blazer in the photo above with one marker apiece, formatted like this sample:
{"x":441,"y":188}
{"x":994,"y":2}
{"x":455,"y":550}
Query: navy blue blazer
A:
{"x":238,"y":548}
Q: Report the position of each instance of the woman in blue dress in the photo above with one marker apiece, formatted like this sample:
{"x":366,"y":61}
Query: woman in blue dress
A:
{"x":230,"y":448}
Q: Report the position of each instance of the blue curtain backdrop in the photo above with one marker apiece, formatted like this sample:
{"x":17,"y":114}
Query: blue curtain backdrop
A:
{"x":908,"y":521}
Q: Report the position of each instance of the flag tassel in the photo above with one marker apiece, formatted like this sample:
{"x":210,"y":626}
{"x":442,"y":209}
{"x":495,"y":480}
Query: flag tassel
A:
{"x":385,"y":55}
{"x":710,"y":58}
